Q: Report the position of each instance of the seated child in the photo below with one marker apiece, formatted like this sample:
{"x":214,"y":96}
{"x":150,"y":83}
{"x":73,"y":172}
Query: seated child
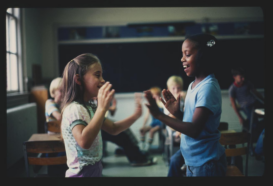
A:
{"x":155,"y":125}
{"x":52,"y":105}
{"x":52,"y":113}
{"x":175,"y":86}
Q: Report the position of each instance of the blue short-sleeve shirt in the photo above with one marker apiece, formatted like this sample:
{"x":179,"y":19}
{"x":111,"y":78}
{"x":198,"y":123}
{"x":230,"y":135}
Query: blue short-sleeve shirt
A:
{"x":206,"y":147}
{"x":243,"y":94}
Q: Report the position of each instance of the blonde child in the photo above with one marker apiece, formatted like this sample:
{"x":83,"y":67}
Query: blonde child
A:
{"x":175,"y":86}
{"x":53,"y":113}
{"x":156,"y":124}
{"x":83,"y":120}
{"x":52,"y":105}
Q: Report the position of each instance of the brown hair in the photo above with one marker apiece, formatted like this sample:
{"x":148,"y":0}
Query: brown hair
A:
{"x":71,"y":90}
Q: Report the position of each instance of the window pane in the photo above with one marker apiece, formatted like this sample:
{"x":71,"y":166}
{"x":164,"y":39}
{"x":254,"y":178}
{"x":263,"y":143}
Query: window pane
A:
{"x":9,"y":10}
{"x":12,"y":33}
{"x":7,"y":33}
{"x":13,"y":72}
{"x":8,"y":73}
{"x":16,"y":12}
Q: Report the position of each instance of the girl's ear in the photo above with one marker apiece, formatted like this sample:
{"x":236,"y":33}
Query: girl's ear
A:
{"x":77,"y":79}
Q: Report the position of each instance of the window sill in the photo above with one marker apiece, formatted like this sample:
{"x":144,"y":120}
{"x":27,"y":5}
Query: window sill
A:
{"x":16,"y":99}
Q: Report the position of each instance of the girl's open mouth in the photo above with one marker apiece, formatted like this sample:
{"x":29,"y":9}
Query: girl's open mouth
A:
{"x":185,"y":66}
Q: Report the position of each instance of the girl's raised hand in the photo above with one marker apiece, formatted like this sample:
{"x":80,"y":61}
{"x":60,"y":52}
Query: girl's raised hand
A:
{"x":138,"y":110}
{"x":105,"y":96}
{"x":152,"y":106}
{"x":170,"y":103}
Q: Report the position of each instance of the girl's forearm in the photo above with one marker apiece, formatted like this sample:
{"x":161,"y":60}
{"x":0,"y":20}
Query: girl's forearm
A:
{"x":122,"y":125}
{"x":179,"y":115}
{"x":187,"y":128}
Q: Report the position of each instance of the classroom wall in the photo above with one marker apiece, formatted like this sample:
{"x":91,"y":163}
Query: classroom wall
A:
{"x":41,"y":24}
{"x":21,"y":124}
{"x":32,"y":39}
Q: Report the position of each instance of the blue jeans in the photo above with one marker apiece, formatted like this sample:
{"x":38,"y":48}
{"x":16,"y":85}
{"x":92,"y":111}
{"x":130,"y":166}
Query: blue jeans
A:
{"x":210,"y":169}
{"x":260,"y":144}
{"x":248,"y":113}
{"x":176,"y":162}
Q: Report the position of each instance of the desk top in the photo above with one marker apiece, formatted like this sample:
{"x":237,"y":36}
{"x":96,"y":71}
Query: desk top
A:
{"x":228,"y":131}
{"x":259,"y":111}
{"x":45,"y":137}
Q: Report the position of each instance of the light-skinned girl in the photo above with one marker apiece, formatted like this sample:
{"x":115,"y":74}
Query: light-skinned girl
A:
{"x":200,"y":147}
{"x":82,"y":120}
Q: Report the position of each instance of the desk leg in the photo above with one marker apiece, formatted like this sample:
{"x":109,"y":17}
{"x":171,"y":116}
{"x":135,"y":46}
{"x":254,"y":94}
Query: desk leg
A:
{"x":26,"y":160}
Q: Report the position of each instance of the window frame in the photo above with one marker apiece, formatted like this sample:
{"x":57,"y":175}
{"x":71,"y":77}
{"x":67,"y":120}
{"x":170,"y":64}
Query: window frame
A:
{"x":16,"y":15}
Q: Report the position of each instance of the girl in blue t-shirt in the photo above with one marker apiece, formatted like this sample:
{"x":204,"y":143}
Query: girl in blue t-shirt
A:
{"x":200,"y":147}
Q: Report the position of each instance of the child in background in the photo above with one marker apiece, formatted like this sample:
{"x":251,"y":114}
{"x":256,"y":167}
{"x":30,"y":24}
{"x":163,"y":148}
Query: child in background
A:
{"x":83,"y":120}
{"x":244,"y":92}
{"x":203,"y":154}
{"x":156,"y":124}
{"x":248,"y":98}
{"x":52,"y":113}
{"x":52,"y":106}
{"x":175,"y":86}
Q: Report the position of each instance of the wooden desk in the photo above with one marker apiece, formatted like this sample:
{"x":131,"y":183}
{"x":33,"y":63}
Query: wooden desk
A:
{"x":228,"y":131}
{"x":45,"y":137}
{"x":43,"y":143}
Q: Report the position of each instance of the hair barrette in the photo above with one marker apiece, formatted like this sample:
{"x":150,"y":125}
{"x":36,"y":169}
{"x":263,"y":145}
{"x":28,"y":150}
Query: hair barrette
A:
{"x":210,"y":43}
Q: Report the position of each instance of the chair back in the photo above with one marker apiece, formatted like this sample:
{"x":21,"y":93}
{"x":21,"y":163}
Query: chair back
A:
{"x":44,"y":147}
{"x":233,"y":140}
{"x":54,"y":126}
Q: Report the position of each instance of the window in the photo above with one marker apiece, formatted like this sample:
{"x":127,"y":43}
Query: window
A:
{"x":13,"y":50}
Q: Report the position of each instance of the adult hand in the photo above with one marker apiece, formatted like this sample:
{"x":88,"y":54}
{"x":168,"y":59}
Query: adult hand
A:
{"x":170,"y":103}
{"x":152,"y":106}
{"x":105,"y":96}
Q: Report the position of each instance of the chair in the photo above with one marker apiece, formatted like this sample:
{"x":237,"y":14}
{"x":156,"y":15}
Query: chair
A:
{"x":38,"y":147}
{"x":170,"y":145}
{"x":233,"y":139}
{"x":54,"y":126}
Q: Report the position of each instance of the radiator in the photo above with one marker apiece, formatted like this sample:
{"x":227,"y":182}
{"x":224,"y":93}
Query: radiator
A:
{"x":21,"y":124}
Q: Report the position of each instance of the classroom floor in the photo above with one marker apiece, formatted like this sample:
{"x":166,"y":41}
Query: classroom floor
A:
{"x":120,"y":167}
